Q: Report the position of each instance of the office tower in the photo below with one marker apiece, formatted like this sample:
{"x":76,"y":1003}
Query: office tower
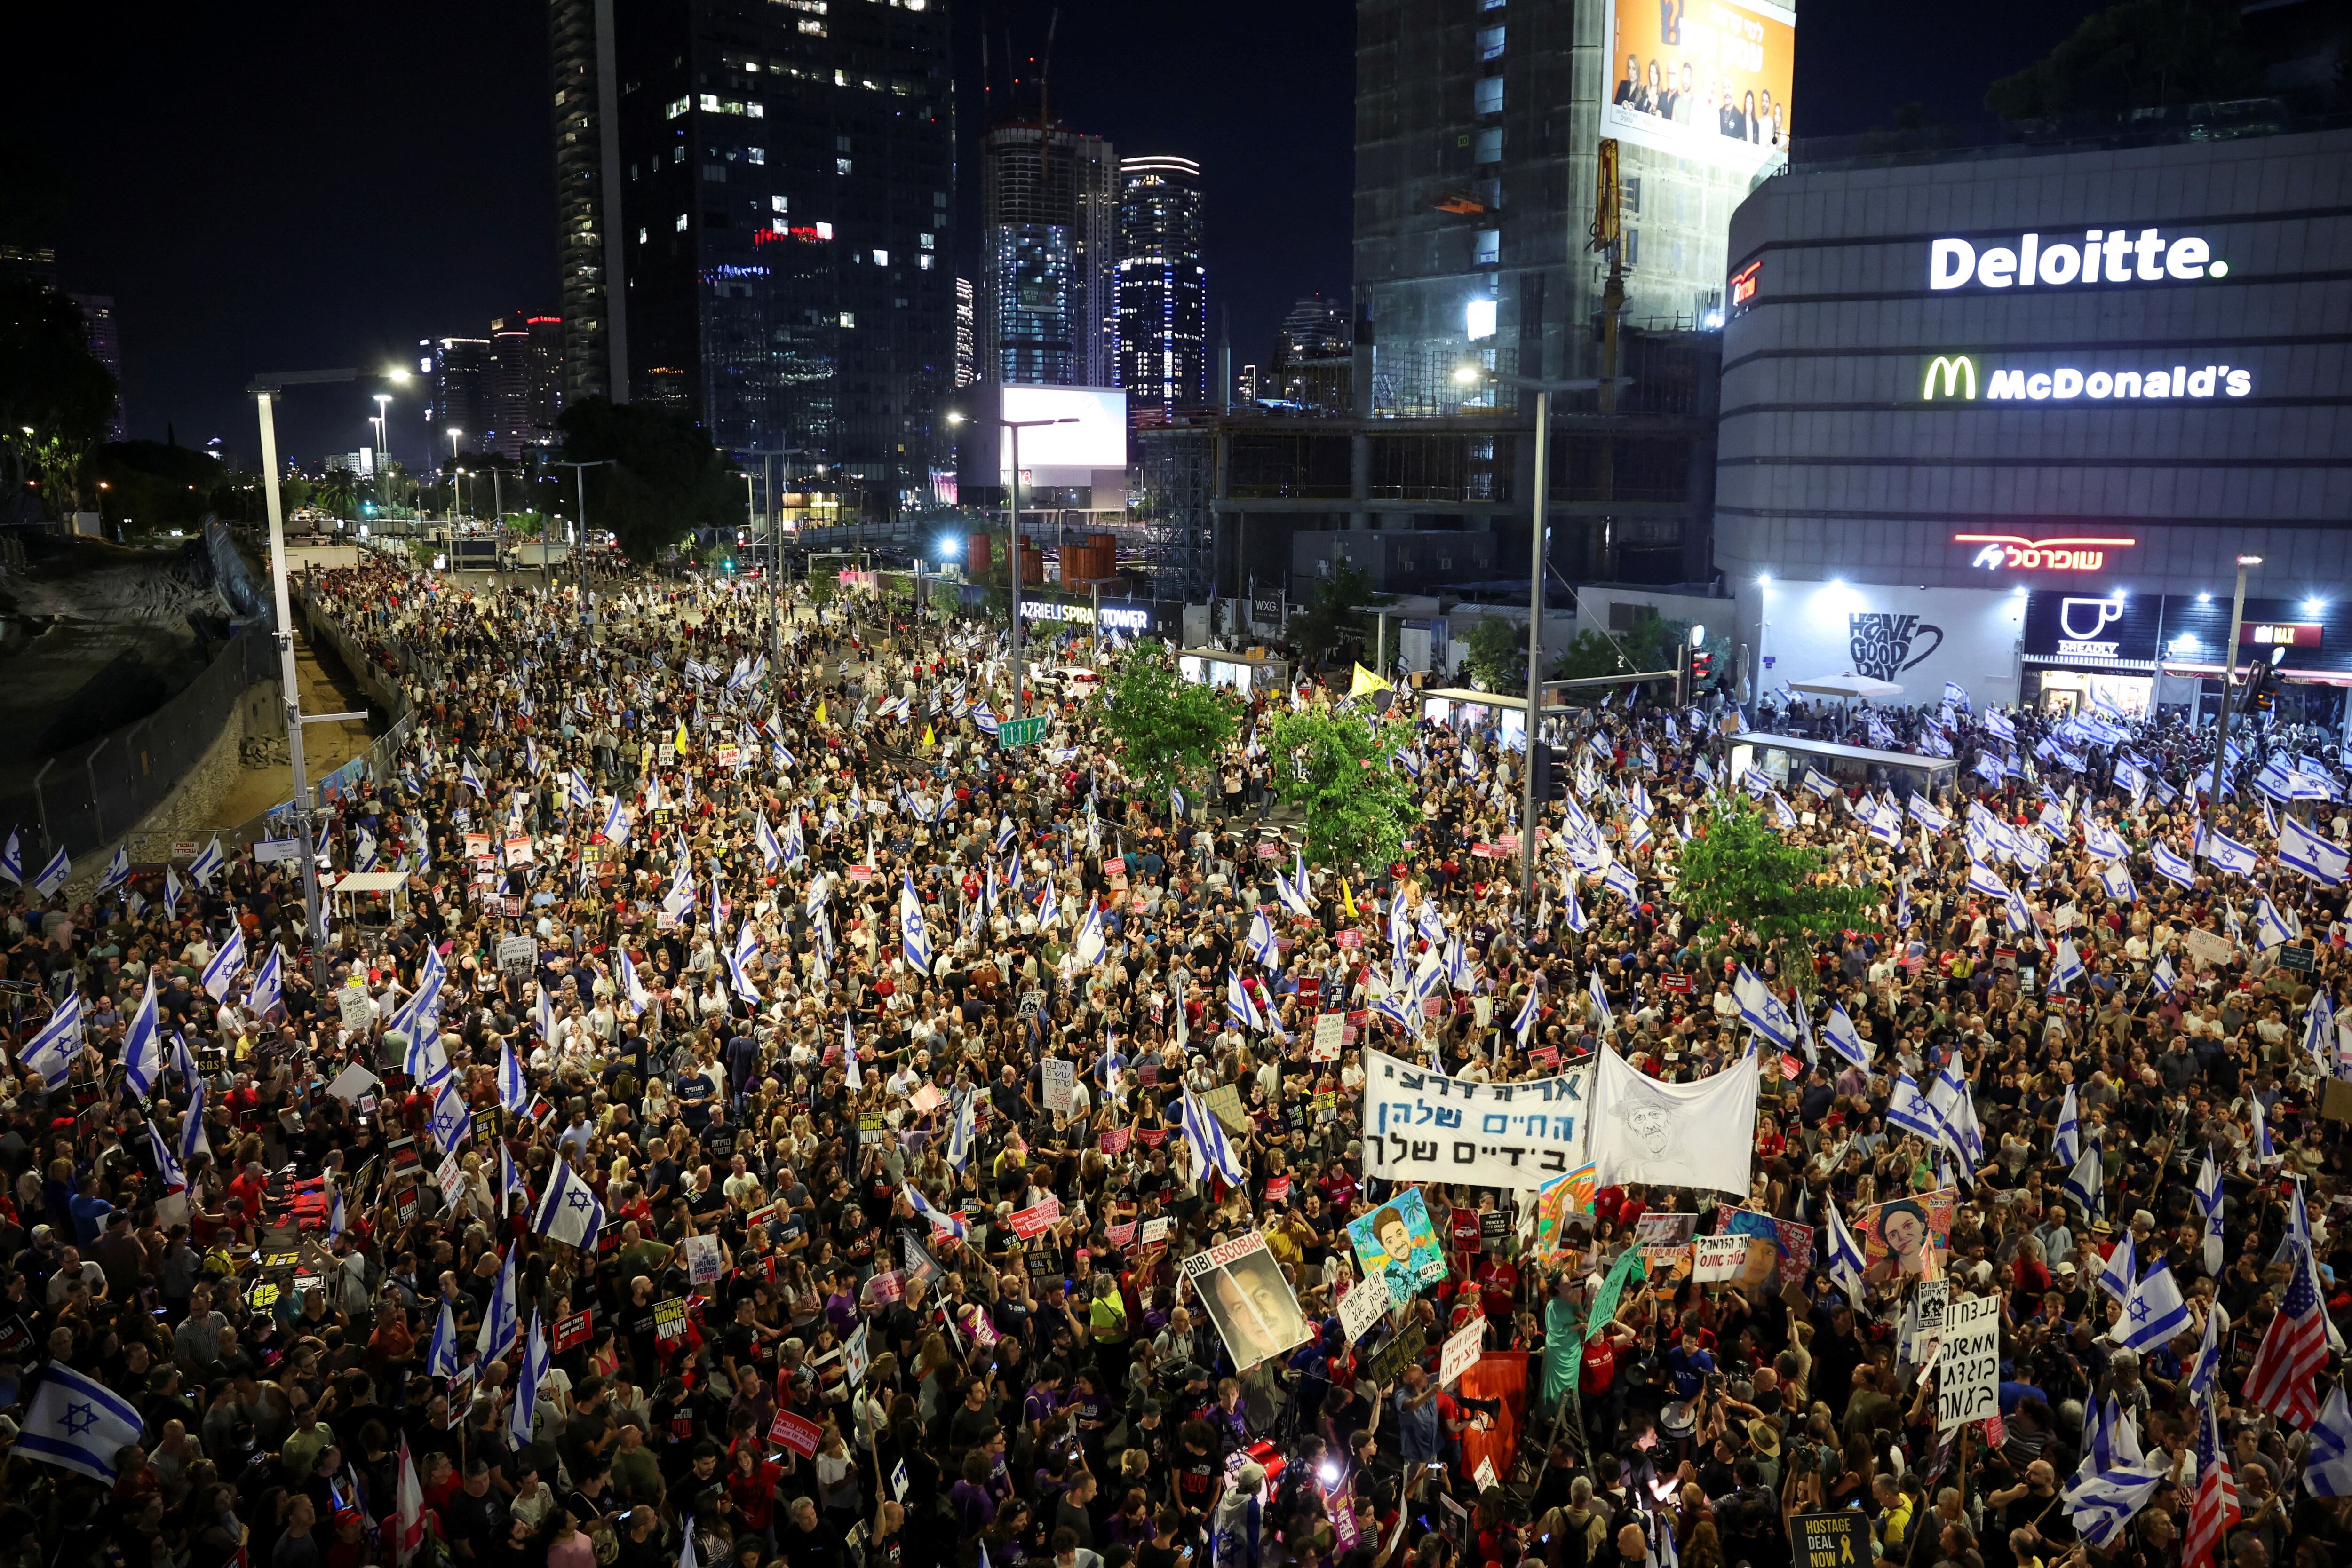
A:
{"x":967,"y":330}
{"x":1163,"y":289}
{"x":35,"y":263}
{"x":507,"y":401}
{"x":461,"y":372}
{"x":544,"y":377}
{"x":587,"y":88}
{"x":1048,"y":254}
{"x":1477,"y":158}
{"x":98,"y":313}
{"x":786,"y":173}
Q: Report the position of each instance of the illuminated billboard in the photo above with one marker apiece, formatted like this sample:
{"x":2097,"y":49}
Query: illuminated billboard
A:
{"x":1705,"y":79}
{"x":1064,"y":454}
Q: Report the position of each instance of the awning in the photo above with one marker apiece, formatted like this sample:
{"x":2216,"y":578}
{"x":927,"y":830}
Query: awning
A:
{"x":1846,"y":686}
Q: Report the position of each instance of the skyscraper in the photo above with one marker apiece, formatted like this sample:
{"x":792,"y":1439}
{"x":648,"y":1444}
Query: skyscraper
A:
{"x":543,"y":376}
{"x":1163,"y":287}
{"x":97,"y":313}
{"x":508,"y":398}
{"x":967,"y":330}
{"x":462,"y":373}
{"x":1049,"y":303}
{"x":785,"y":175}
{"x":587,"y":178}
{"x":1478,"y":130}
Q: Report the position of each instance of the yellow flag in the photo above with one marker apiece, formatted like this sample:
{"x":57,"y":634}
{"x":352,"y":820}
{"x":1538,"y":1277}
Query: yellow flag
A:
{"x":820,"y":710}
{"x":682,"y":737}
{"x":927,"y":738}
{"x":1366,"y":681}
{"x":1347,"y":900}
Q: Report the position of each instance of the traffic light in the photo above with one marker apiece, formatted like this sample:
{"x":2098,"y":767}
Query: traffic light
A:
{"x":1701,"y":670}
{"x":2262,"y":683}
{"x":1551,"y":771}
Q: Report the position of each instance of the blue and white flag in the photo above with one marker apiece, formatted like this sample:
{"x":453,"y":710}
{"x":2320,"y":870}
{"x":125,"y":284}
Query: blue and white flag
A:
{"x":2265,"y":1153}
{"x":225,"y":965}
{"x":961,"y":1130}
{"x":1997,"y":723}
{"x":2328,"y":1468}
{"x":1908,"y":1109}
{"x":1957,"y":694}
{"x":915,"y":934}
{"x":1524,"y":1025}
{"x":266,"y":994}
{"x":2207,"y":1195}
{"x":2118,"y":883}
{"x":1204,"y":1137}
{"x":2154,"y":1311}
{"x":851,"y":1074}
{"x":174,"y":1176}
{"x":2274,"y":926}
{"x":617,"y":823}
{"x":1844,"y":1038}
{"x":471,"y":779}
{"x":2066,"y":1147}
{"x":79,"y":1423}
{"x":51,"y":1052}
{"x":1602,"y":1016}
{"x":746,"y":949}
{"x":441,"y":1354}
{"x":568,"y":1211}
{"x":2066,"y":968}
{"x":1091,"y":941}
{"x":1241,"y":1007}
{"x":2086,"y":1184}
{"x":117,"y":873}
{"x":2168,"y":865}
{"x":532,"y":1373}
{"x":514,"y":1087}
{"x":1981,"y":879}
{"x":451,"y":1122}
{"x":142,"y":1046}
{"x":193,"y":1140}
{"x":500,"y":1314}
{"x":12,"y":861}
{"x":2303,"y":850}
{"x":1571,"y":910}
{"x":2319,"y":1032}
{"x":1622,"y":882}
{"x":2208,"y":1363}
{"x":2226,"y":851}
{"x":1262,"y":945}
{"x":1841,"y":1259}
{"x":336,"y":1219}
{"x":1956,"y":1107}
{"x":943,"y":1222}
{"x":53,"y":875}
{"x":1762,"y":1011}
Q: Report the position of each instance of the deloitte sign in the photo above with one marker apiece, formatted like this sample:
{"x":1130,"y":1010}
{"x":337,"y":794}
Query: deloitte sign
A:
{"x":2106,"y":256}
{"x":1955,"y":377}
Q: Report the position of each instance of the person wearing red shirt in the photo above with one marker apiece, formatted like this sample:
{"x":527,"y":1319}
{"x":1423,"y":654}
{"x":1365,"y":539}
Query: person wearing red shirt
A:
{"x":1498,"y":1280}
{"x":752,"y":1480}
{"x":1340,"y":1189}
{"x":249,"y":1187}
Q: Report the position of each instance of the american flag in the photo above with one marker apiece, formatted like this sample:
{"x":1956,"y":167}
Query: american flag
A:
{"x":2215,"y":1507}
{"x":2294,"y":1350}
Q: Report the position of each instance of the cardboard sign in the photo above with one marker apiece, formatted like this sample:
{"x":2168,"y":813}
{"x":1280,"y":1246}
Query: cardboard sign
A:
{"x":2207,"y":948}
{"x":898,"y":1480}
{"x":517,"y":954}
{"x":519,"y":850}
{"x":1154,"y":1230}
{"x":1968,"y":1382}
{"x":1225,"y":1101}
{"x":450,"y":1179}
{"x":1060,"y":1076}
{"x":1387,"y":1363}
{"x":1115,"y":1140}
{"x":1485,"y":1474}
{"x":355,"y":1009}
{"x":1719,"y":1258}
{"x":855,"y":1362}
{"x":1120,"y":1236}
{"x":1031,"y":1223}
{"x":796,"y":1433}
{"x":1462,"y":1350}
{"x":669,"y":1319}
{"x":572,"y":1331}
{"x":1832,"y":1540}
{"x":705,"y":1260}
{"x":1360,"y":1309}
{"x":1278,"y":1188}
{"x":352,"y":1083}
{"x":887,"y":1286}
{"x":1329,"y":1028}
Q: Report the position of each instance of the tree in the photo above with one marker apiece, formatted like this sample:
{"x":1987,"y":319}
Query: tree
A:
{"x":666,"y":478}
{"x":1333,"y":619}
{"x":155,"y":484}
{"x":1740,"y":872}
{"x":1496,"y":656}
{"x":1334,"y":767}
{"x":1170,"y":728}
{"x":2142,"y":53}
{"x":55,"y":398}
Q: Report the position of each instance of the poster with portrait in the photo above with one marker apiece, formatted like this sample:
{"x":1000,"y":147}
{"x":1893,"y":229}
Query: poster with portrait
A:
{"x":1906,"y":1237}
{"x":1245,"y":1294}
{"x":1396,"y":1243}
{"x":1779,"y":1253}
{"x":1704,"y":79}
{"x":1562,"y":1204}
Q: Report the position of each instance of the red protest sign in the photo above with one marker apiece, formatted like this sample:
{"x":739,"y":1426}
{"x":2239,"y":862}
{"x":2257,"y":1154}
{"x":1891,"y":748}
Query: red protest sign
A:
{"x":1036,"y":1220}
{"x":1115,"y":1140}
{"x":571,"y":1331}
{"x":795,"y":1433}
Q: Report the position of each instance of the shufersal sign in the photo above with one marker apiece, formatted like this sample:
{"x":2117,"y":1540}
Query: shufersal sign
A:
{"x":2105,"y":255}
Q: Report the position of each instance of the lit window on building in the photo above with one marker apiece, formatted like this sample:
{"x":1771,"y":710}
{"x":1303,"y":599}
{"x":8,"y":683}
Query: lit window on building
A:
{"x":849,"y":319}
{"x":681,"y":223}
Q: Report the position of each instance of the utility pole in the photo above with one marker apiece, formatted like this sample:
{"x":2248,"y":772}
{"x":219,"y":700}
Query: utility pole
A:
{"x":2229,"y":672}
{"x":580,"y":537}
{"x":1012,"y":539}
{"x":767,"y":456}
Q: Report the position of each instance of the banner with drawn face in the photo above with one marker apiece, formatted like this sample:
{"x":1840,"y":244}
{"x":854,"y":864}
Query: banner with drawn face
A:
{"x":1906,"y":1238}
{"x":1397,"y":1244}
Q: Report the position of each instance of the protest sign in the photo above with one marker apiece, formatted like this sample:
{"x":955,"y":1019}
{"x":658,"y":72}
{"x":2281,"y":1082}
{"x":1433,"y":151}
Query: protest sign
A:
{"x":1247,"y":1298}
{"x":1419,"y":1125}
{"x":669,"y":1318}
{"x":1719,"y":1258}
{"x":705,"y":1259}
{"x":1780,"y":1251}
{"x":1461,"y":1351}
{"x":1833,"y":1541}
{"x":1059,"y":1077}
{"x":1328,"y":1028}
{"x":796,"y":1433}
{"x":1396,"y":1245}
{"x":1967,"y":1379}
{"x":1034,"y":1221}
{"x":572,"y":1331}
{"x":1361,"y":1308}
{"x":855,"y":1362}
{"x":1225,"y":1101}
{"x":1389,"y":1362}
{"x":1907,"y":1238}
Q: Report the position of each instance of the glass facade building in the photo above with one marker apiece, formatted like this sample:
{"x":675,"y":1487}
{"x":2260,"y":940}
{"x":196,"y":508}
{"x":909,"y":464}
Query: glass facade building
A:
{"x":1163,"y":286}
{"x":1049,"y":302}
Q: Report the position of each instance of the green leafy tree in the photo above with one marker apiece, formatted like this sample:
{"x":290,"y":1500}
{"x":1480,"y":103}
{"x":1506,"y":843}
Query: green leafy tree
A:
{"x":1741,"y":874}
{"x":55,"y":398}
{"x":333,"y":492}
{"x":2143,"y":53}
{"x":527,"y":524}
{"x":1170,"y":728}
{"x":666,"y":478}
{"x":1497,"y":655}
{"x":1334,"y":618}
{"x":1334,"y":767}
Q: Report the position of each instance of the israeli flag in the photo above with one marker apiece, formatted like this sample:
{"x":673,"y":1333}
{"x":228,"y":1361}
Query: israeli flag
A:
{"x":2117,"y":1278}
{"x":1762,"y":1011}
{"x":2168,"y":865}
{"x":1602,"y":1016}
{"x":913,"y":933}
{"x":2265,"y":1153}
{"x":1982,"y":880}
{"x":471,"y":779}
{"x":2118,"y":883}
{"x":1622,"y":882}
{"x":511,"y":1183}
{"x":943,"y":1222}
{"x":746,"y":949}
{"x":2319,"y":1030}
{"x":1903,"y":907}
{"x":225,"y":965}
{"x":2104,"y":841}
{"x":52,"y":1052}
{"x":77,"y":1424}
{"x":1997,"y":723}
{"x":1844,"y":1038}
{"x":1204,"y":1137}
{"x":266,"y":994}
{"x":961,"y":1131}
{"x":335,"y":1218}
{"x":795,"y":845}
{"x":452,"y":1121}
{"x":1571,"y":910}
{"x":569,"y":1212}
{"x":1091,"y":942}
{"x":526,"y":1395}
{"x":142,"y":1047}
{"x":117,"y":872}
{"x":514,"y":1088}
{"x":2086,"y":1184}
{"x":1842,"y":1260}
{"x":2300,"y":850}
{"x":2066,"y":1147}
{"x":1240,"y":1006}
{"x":617,"y":823}
{"x":1908,"y":1109}
{"x":2226,"y":851}
{"x":2067,"y":967}
{"x":2275,"y":927}
{"x":12,"y":861}
{"x":2209,"y":1204}
{"x":1262,"y":945}
{"x":1530,"y":1010}
{"x":2328,"y":1468}
{"x":167,"y":1163}
{"x":53,"y":875}
{"x":498,"y":1316}
{"x":193,"y":1140}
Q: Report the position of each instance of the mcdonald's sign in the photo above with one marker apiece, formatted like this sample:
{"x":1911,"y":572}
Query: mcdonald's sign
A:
{"x":1958,"y":374}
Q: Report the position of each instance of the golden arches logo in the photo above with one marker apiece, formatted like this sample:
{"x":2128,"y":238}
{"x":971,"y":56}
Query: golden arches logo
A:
{"x":1958,"y":371}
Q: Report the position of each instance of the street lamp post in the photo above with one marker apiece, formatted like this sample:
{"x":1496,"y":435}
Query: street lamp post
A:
{"x":1543,"y":391}
{"x":767,"y":456}
{"x":580,"y":537}
{"x":2229,"y":673}
{"x":1012,"y":539}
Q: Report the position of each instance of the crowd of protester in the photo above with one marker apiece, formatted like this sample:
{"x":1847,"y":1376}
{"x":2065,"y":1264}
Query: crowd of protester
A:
{"x":657,"y":904}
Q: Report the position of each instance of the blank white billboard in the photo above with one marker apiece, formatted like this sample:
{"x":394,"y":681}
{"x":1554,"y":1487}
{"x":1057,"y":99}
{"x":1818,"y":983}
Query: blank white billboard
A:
{"x":1064,"y":454}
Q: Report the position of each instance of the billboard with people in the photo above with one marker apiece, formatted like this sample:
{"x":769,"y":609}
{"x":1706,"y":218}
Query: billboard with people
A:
{"x":1707,"y":79}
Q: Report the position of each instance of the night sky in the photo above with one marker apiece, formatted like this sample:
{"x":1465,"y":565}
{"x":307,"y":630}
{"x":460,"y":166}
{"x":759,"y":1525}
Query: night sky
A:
{"x":274,"y":186}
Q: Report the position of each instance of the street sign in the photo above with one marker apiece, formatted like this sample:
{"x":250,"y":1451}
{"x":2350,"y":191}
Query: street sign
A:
{"x":1017,"y":732}
{"x":277,"y":850}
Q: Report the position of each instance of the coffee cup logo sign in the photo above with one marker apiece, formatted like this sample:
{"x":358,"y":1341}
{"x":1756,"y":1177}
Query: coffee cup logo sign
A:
{"x":2105,"y":255}
{"x":1880,"y":641}
{"x":2080,"y":621}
